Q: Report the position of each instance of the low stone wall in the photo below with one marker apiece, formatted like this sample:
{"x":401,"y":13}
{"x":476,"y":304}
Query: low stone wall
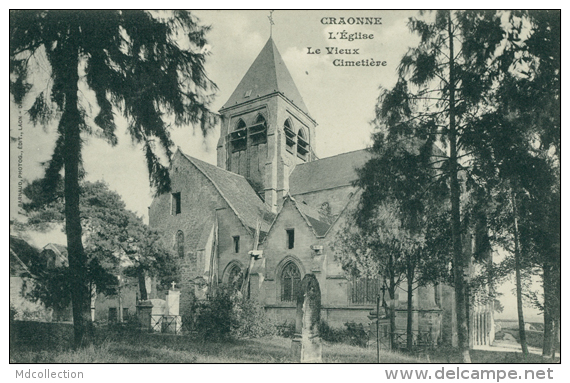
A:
{"x":337,"y":317}
{"x":334,"y":317}
{"x":41,"y":333}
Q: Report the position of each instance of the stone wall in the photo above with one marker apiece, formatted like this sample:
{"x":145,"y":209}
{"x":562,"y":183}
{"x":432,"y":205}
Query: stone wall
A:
{"x":229,"y":226}
{"x":199,"y":201}
{"x":128,"y":301}
{"x":268,"y":165}
{"x":277,"y":254}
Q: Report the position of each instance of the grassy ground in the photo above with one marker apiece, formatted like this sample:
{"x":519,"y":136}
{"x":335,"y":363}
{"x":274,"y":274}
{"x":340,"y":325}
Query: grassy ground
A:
{"x":149,"y":348}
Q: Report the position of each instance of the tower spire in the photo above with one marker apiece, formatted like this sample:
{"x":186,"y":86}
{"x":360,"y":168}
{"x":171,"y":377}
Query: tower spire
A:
{"x":267,"y":75}
{"x":267,"y":128}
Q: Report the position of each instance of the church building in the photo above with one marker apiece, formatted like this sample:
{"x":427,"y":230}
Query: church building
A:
{"x":271,"y":208}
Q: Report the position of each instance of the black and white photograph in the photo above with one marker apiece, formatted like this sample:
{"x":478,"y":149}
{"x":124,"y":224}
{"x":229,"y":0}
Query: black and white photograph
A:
{"x":285,"y":186}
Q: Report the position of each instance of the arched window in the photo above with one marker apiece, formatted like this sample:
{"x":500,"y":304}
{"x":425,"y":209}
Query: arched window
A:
{"x":238,"y":137}
{"x":235,"y":277}
{"x":180,"y":243}
{"x":240,"y":125}
{"x":289,"y":136}
{"x":302,"y":145}
{"x":258,"y":131}
{"x":290,"y":282}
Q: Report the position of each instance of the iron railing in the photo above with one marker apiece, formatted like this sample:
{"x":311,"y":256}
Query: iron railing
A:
{"x":420,"y":339}
{"x":166,"y":323}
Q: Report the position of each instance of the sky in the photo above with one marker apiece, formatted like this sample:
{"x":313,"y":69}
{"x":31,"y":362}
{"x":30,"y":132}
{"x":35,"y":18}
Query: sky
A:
{"x":340,"y":99}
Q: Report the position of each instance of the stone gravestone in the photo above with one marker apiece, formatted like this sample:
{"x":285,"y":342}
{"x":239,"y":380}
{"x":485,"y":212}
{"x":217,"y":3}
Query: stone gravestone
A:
{"x":144,"y":312}
{"x":306,"y":347}
{"x":156,"y":314}
{"x":173,"y":303}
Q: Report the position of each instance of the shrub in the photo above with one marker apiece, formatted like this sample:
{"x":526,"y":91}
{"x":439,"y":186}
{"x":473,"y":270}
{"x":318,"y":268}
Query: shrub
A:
{"x":286,"y":330}
{"x":228,"y":315}
{"x":213,"y":318}
{"x":354,"y":334}
{"x":250,"y":320}
{"x":357,"y":335}
{"x":331,"y":334}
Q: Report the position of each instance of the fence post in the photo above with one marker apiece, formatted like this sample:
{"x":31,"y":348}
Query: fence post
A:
{"x":378,"y":328}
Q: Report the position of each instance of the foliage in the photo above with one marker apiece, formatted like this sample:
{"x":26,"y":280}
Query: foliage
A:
{"x":143,"y":66}
{"x":517,"y":160}
{"x":228,"y":315}
{"x":286,"y":329}
{"x":400,"y":228}
{"x":37,"y":313}
{"x":484,"y":86}
{"x":13,"y":313}
{"x":117,"y":242}
{"x":434,"y":111}
{"x":52,"y":287}
{"x":146,"y":64}
{"x":251,"y":320}
{"x":353,"y":334}
{"x":214,"y":318}
{"x":366,"y":253}
{"x":28,"y":254}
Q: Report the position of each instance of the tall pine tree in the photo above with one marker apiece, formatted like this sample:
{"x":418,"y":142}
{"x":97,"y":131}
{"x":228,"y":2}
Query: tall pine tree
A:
{"x":441,"y":86}
{"x":143,"y":65}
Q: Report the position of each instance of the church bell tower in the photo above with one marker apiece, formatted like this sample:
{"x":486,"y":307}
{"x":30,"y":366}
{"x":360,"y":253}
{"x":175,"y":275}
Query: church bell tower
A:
{"x":266,"y":128}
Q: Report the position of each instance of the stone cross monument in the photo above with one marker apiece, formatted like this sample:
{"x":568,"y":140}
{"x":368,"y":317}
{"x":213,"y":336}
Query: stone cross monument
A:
{"x":306,"y":346}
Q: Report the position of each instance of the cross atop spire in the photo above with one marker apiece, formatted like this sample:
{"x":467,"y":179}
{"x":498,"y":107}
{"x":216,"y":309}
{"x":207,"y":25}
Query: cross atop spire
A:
{"x":271,"y":23}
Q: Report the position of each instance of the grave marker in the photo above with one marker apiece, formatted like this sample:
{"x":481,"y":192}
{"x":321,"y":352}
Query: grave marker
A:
{"x":306,"y":346}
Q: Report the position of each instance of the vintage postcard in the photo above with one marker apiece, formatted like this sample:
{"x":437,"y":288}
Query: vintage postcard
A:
{"x":288,"y":186}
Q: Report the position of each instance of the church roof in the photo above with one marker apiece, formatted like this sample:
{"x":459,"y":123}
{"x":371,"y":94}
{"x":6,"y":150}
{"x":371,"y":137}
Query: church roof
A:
{"x":327,"y":173}
{"x":268,"y":74}
{"x":320,"y":227}
{"x":22,"y":256}
{"x":60,"y":248}
{"x":238,"y":193}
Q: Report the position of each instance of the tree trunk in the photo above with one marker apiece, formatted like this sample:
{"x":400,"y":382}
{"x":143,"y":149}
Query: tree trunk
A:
{"x":458,"y":259}
{"x":142,"y":284}
{"x":548,"y":339}
{"x":70,"y":126}
{"x":556,"y":336}
{"x":392,"y":308}
{"x":410,"y":318}
{"x":491,"y":296}
{"x":548,"y":336}
{"x":522,"y":332}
